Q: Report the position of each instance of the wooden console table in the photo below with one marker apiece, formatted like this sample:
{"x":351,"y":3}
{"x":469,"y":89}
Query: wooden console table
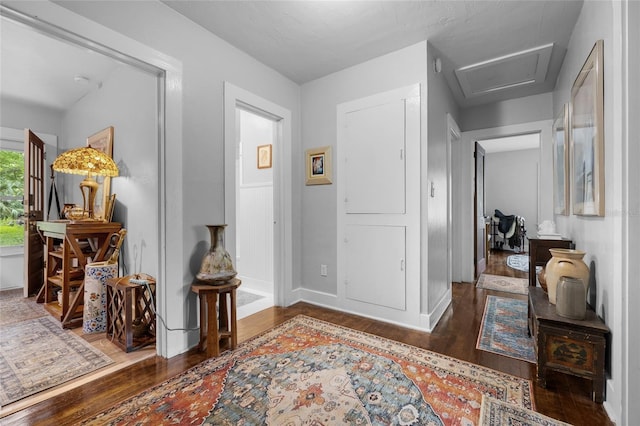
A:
{"x":539,"y":254}
{"x":570,"y":346}
{"x":70,"y":244}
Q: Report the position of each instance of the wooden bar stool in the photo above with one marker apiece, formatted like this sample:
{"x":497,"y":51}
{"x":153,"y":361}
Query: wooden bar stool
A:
{"x":212,"y":332}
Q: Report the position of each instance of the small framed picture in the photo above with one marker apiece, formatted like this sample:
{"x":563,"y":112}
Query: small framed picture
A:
{"x":318,"y":166}
{"x":264,"y":156}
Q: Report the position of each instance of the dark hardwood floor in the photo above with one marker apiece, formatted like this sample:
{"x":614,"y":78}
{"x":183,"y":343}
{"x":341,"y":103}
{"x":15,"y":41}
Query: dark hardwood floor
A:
{"x":566,"y":398}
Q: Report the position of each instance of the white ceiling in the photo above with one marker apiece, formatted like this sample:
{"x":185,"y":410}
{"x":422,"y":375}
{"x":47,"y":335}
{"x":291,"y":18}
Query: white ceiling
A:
{"x":305,"y":40}
{"x":38,"y":69}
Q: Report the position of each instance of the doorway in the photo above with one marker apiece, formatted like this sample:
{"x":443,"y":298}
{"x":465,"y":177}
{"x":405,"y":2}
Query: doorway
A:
{"x":257,"y":136}
{"x":541,"y":194}
{"x":11,"y":248}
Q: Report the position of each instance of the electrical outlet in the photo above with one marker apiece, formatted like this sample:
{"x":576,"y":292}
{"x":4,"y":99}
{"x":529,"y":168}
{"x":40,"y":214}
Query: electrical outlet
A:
{"x":323,"y":270}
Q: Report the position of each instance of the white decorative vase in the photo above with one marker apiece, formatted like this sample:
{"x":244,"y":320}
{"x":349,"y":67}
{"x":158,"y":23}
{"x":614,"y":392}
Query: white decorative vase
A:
{"x":94,"y":316}
{"x":565,"y":263}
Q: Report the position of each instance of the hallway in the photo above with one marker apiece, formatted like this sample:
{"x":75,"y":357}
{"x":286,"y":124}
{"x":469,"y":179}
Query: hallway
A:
{"x":497,"y":265}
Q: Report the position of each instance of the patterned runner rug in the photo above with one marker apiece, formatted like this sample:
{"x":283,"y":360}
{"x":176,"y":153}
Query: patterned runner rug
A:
{"x":495,"y":412}
{"x":307,"y":371}
{"x":38,"y":354}
{"x":504,"y":329}
{"x":520,"y":262}
{"x":508,"y":284}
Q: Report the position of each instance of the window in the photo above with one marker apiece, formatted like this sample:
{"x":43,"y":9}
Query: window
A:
{"x":11,"y":196}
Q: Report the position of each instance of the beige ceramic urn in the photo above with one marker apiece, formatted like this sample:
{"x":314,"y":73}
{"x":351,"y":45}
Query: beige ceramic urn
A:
{"x":565,"y":263}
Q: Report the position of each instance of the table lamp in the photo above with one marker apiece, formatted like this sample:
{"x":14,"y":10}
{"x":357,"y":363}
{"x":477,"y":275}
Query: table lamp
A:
{"x":90,"y":162}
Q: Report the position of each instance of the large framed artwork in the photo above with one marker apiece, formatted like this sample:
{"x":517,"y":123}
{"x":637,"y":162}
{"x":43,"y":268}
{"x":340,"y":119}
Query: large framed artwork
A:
{"x":318,"y":166}
{"x":587,"y":135}
{"x":102,"y":141}
{"x":561,"y":162}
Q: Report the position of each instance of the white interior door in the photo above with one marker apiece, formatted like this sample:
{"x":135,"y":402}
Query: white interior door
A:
{"x":378,"y":158}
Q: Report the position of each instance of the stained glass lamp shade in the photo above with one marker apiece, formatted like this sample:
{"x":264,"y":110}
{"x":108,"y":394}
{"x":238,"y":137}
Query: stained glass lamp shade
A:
{"x":90,"y":162}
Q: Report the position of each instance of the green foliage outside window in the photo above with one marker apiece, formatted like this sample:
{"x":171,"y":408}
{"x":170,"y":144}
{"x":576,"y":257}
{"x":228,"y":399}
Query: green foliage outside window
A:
{"x":11,"y":193}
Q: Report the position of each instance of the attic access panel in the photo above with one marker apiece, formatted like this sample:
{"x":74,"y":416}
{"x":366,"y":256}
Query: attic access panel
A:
{"x":522,"y":68}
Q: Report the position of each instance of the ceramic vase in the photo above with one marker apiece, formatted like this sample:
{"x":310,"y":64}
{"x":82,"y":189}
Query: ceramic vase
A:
{"x":565,"y":263}
{"x":217,"y":266}
{"x":94,"y":316}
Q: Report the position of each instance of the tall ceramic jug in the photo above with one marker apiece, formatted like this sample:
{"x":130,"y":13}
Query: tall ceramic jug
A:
{"x":217,"y":266}
{"x":565,"y":263}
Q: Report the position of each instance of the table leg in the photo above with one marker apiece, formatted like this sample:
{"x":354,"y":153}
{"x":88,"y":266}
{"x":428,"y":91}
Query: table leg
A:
{"x":223,"y":314}
{"x":203,"y":322}
{"x":233,"y":326}
{"x":213,"y":340}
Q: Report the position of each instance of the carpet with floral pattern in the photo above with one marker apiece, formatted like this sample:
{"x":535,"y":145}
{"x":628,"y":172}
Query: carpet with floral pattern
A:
{"x":307,"y":371}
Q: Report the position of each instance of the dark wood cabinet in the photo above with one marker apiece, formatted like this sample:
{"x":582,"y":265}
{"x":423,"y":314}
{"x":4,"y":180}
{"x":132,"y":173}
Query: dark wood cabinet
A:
{"x":539,"y":254}
{"x":576,"y":347}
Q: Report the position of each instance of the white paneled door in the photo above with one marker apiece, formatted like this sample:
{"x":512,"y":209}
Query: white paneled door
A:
{"x":378,"y":160}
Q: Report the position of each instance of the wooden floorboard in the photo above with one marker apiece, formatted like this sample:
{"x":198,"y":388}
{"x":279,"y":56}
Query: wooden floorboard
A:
{"x":566,"y":398}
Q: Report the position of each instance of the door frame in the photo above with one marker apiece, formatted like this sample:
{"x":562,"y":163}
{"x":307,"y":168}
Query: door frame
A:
{"x":62,"y":24}
{"x":479,"y":265}
{"x":464,"y":196}
{"x":454,"y":139}
{"x":282,"y":185}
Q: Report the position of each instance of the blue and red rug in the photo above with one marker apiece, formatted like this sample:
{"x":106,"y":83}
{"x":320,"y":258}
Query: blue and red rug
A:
{"x":504,"y":329}
{"x":306,"y":371}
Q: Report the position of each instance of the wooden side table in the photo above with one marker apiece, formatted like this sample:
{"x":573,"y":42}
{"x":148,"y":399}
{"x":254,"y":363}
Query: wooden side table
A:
{"x":214,"y":330}
{"x":131,"y":320}
{"x":570,"y":346}
{"x":539,"y":254}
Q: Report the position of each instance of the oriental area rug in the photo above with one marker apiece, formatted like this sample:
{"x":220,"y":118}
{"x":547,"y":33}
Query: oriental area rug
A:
{"x":504,"y":329}
{"x":507,"y":284}
{"x":306,"y":371}
{"x":37,"y":354}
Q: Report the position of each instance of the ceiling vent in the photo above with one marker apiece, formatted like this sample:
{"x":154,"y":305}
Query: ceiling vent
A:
{"x":523,"y":68}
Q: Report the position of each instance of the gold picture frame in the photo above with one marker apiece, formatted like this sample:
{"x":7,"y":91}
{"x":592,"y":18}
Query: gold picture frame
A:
{"x":587,"y":135}
{"x":264,"y":156}
{"x":560,"y":135}
{"x":318,"y":166}
{"x":102,"y":141}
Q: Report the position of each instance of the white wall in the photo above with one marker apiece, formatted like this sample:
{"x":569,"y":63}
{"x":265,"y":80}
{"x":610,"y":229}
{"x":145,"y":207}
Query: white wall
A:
{"x":135,"y":151}
{"x":511,"y":186}
{"x":512,"y":111}
{"x":602,"y":238}
{"x":20,"y":115}
{"x":440,"y":103}
{"x":195,"y":157}
{"x":319,"y":115}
